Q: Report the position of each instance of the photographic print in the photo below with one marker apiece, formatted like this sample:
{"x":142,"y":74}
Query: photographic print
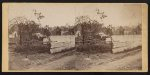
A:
{"x":75,"y":37}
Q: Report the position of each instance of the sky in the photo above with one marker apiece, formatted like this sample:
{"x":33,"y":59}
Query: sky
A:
{"x":58,"y":14}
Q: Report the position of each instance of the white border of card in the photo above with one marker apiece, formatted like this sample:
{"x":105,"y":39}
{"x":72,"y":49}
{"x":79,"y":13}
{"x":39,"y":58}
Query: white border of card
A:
{"x":5,"y":57}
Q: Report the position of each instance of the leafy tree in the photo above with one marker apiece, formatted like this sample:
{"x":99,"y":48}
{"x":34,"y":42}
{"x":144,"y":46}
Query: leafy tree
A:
{"x":88,"y":25}
{"x":138,"y":29}
{"x":57,"y":31}
{"x":46,"y":30}
{"x":26,"y":29}
{"x":121,"y":30}
{"x":109,"y":30}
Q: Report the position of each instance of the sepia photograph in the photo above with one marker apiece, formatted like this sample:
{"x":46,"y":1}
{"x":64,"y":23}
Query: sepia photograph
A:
{"x":75,"y":37}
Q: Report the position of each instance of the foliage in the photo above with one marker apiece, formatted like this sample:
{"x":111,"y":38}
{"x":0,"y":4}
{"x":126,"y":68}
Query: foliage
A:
{"x":88,"y":25}
{"x":127,"y":30}
{"x":138,"y":29}
{"x":29,"y":26}
{"x":108,"y":30}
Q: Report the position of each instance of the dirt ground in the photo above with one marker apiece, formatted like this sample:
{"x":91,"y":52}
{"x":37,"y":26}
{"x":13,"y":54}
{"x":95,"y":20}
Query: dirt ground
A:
{"x":72,"y":60}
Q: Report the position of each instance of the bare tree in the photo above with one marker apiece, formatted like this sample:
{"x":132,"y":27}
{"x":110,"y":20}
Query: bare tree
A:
{"x":38,"y":15}
{"x":101,"y":14}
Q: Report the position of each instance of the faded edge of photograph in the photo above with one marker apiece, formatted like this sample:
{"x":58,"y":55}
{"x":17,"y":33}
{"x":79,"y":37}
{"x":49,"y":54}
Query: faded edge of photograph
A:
{"x":70,"y":37}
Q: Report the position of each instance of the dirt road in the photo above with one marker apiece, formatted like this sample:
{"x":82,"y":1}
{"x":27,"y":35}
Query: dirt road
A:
{"x":131,"y":62}
{"x":99,"y":61}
